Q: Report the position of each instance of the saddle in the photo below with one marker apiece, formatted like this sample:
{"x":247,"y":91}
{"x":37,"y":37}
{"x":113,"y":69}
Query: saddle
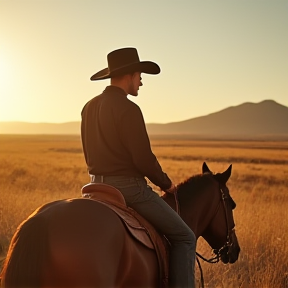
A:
{"x":138,"y":227}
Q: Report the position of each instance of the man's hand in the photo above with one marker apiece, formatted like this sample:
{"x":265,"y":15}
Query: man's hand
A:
{"x":172,"y":189}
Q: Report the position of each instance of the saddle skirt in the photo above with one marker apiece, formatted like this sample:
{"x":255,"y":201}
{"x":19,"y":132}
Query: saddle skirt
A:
{"x":138,"y":227}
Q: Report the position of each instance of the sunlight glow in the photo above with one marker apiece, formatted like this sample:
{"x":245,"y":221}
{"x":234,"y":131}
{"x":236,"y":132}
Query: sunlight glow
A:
{"x":6,"y":85}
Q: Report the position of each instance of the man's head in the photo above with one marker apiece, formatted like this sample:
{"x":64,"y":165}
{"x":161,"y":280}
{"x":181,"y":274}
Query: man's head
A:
{"x":124,"y":62}
{"x":130,"y":83}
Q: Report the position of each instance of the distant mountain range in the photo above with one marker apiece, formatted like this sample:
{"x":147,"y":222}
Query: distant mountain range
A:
{"x":265,"y":120}
{"x":248,"y":120}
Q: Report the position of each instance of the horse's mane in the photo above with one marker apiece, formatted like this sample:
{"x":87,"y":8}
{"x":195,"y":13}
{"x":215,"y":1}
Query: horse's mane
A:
{"x":194,"y":185}
{"x":196,"y":181}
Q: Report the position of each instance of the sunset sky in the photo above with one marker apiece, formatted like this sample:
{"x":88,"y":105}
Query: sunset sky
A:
{"x":213,"y":54}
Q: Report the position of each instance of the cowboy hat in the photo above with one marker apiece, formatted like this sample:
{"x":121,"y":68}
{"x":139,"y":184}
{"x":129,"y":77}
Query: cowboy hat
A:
{"x":124,"y":61}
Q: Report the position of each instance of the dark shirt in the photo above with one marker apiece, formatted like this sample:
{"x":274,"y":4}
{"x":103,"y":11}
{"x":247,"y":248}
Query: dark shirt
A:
{"x":115,"y":140}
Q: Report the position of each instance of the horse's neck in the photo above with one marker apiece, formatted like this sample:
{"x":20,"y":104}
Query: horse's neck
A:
{"x":198,"y":212}
{"x":170,"y":199}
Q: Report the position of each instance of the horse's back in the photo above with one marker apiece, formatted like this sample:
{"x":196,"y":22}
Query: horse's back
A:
{"x":86,"y":244}
{"x":82,"y":240}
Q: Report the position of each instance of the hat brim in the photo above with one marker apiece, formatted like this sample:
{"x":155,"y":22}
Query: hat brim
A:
{"x":147,"y":67}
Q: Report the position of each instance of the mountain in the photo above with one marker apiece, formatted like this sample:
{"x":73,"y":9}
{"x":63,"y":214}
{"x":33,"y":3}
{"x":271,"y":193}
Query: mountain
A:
{"x":248,"y":120}
{"x":266,"y":120}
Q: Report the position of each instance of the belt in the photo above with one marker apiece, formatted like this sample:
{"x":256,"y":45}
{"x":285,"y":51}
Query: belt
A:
{"x":106,"y":178}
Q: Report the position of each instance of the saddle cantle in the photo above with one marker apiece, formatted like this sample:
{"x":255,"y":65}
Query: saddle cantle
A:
{"x":103,"y":192}
{"x":138,"y":227}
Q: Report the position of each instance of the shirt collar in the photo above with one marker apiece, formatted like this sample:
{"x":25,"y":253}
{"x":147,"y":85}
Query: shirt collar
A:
{"x":115,"y":90}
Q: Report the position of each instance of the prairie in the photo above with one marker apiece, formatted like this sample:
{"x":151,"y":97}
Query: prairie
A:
{"x":38,"y":169}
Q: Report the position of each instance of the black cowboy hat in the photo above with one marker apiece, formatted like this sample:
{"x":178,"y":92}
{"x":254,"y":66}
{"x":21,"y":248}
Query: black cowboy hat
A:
{"x":124,"y":61}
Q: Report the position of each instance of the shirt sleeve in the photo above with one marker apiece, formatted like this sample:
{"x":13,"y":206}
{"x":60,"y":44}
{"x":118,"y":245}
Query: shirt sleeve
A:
{"x":135,"y":138}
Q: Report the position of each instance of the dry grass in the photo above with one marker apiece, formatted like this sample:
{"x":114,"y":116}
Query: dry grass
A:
{"x":38,"y":169}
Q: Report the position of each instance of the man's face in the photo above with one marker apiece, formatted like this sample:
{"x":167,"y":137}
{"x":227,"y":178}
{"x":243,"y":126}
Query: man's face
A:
{"x":135,"y":83}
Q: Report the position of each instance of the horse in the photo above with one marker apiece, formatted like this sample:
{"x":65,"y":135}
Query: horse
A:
{"x":82,"y":243}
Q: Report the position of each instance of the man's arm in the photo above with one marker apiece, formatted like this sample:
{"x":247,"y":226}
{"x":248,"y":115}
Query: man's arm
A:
{"x":135,"y":138}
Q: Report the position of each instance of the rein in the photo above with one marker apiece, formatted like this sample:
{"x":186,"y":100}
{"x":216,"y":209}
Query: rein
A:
{"x":228,"y":243}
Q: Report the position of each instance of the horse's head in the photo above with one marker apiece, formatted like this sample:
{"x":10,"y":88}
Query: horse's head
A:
{"x":220,"y":232}
{"x":206,"y":206}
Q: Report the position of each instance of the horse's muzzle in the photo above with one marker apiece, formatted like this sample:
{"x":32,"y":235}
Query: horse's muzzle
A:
{"x":230,"y":253}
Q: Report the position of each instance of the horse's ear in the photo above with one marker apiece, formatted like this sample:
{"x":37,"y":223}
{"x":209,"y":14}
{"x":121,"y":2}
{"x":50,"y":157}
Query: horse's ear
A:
{"x":205,"y":168}
{"x":226,"y":175}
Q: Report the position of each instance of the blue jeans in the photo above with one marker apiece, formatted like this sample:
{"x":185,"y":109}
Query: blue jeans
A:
{"x":140,"y":197}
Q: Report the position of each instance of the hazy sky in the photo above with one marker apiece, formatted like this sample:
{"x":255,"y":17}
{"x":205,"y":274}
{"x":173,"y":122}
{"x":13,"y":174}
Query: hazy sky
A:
{"x":213,"y":54}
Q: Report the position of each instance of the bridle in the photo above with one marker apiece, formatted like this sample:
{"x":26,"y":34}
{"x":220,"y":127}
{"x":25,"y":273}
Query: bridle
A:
{"x":227,"y":245}
{"x":230,"y":231}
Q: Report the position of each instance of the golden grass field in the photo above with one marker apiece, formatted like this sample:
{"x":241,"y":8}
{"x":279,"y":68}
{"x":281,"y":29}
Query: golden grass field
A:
{"x":39,"y":169}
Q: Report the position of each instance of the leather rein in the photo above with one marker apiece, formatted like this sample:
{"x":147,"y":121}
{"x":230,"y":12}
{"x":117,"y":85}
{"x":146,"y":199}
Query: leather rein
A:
{"x":228,"y":242}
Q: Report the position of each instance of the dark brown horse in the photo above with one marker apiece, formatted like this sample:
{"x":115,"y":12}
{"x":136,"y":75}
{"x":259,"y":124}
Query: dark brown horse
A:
{"x":82,"y":243}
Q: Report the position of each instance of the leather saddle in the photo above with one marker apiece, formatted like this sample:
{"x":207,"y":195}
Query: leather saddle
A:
{"x":138,"y":227}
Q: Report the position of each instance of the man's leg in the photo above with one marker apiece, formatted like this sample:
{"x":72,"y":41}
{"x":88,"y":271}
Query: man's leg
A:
{"x":147,"y":203}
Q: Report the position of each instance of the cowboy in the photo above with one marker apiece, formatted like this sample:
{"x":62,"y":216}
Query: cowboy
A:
{"x":117,"y":152}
